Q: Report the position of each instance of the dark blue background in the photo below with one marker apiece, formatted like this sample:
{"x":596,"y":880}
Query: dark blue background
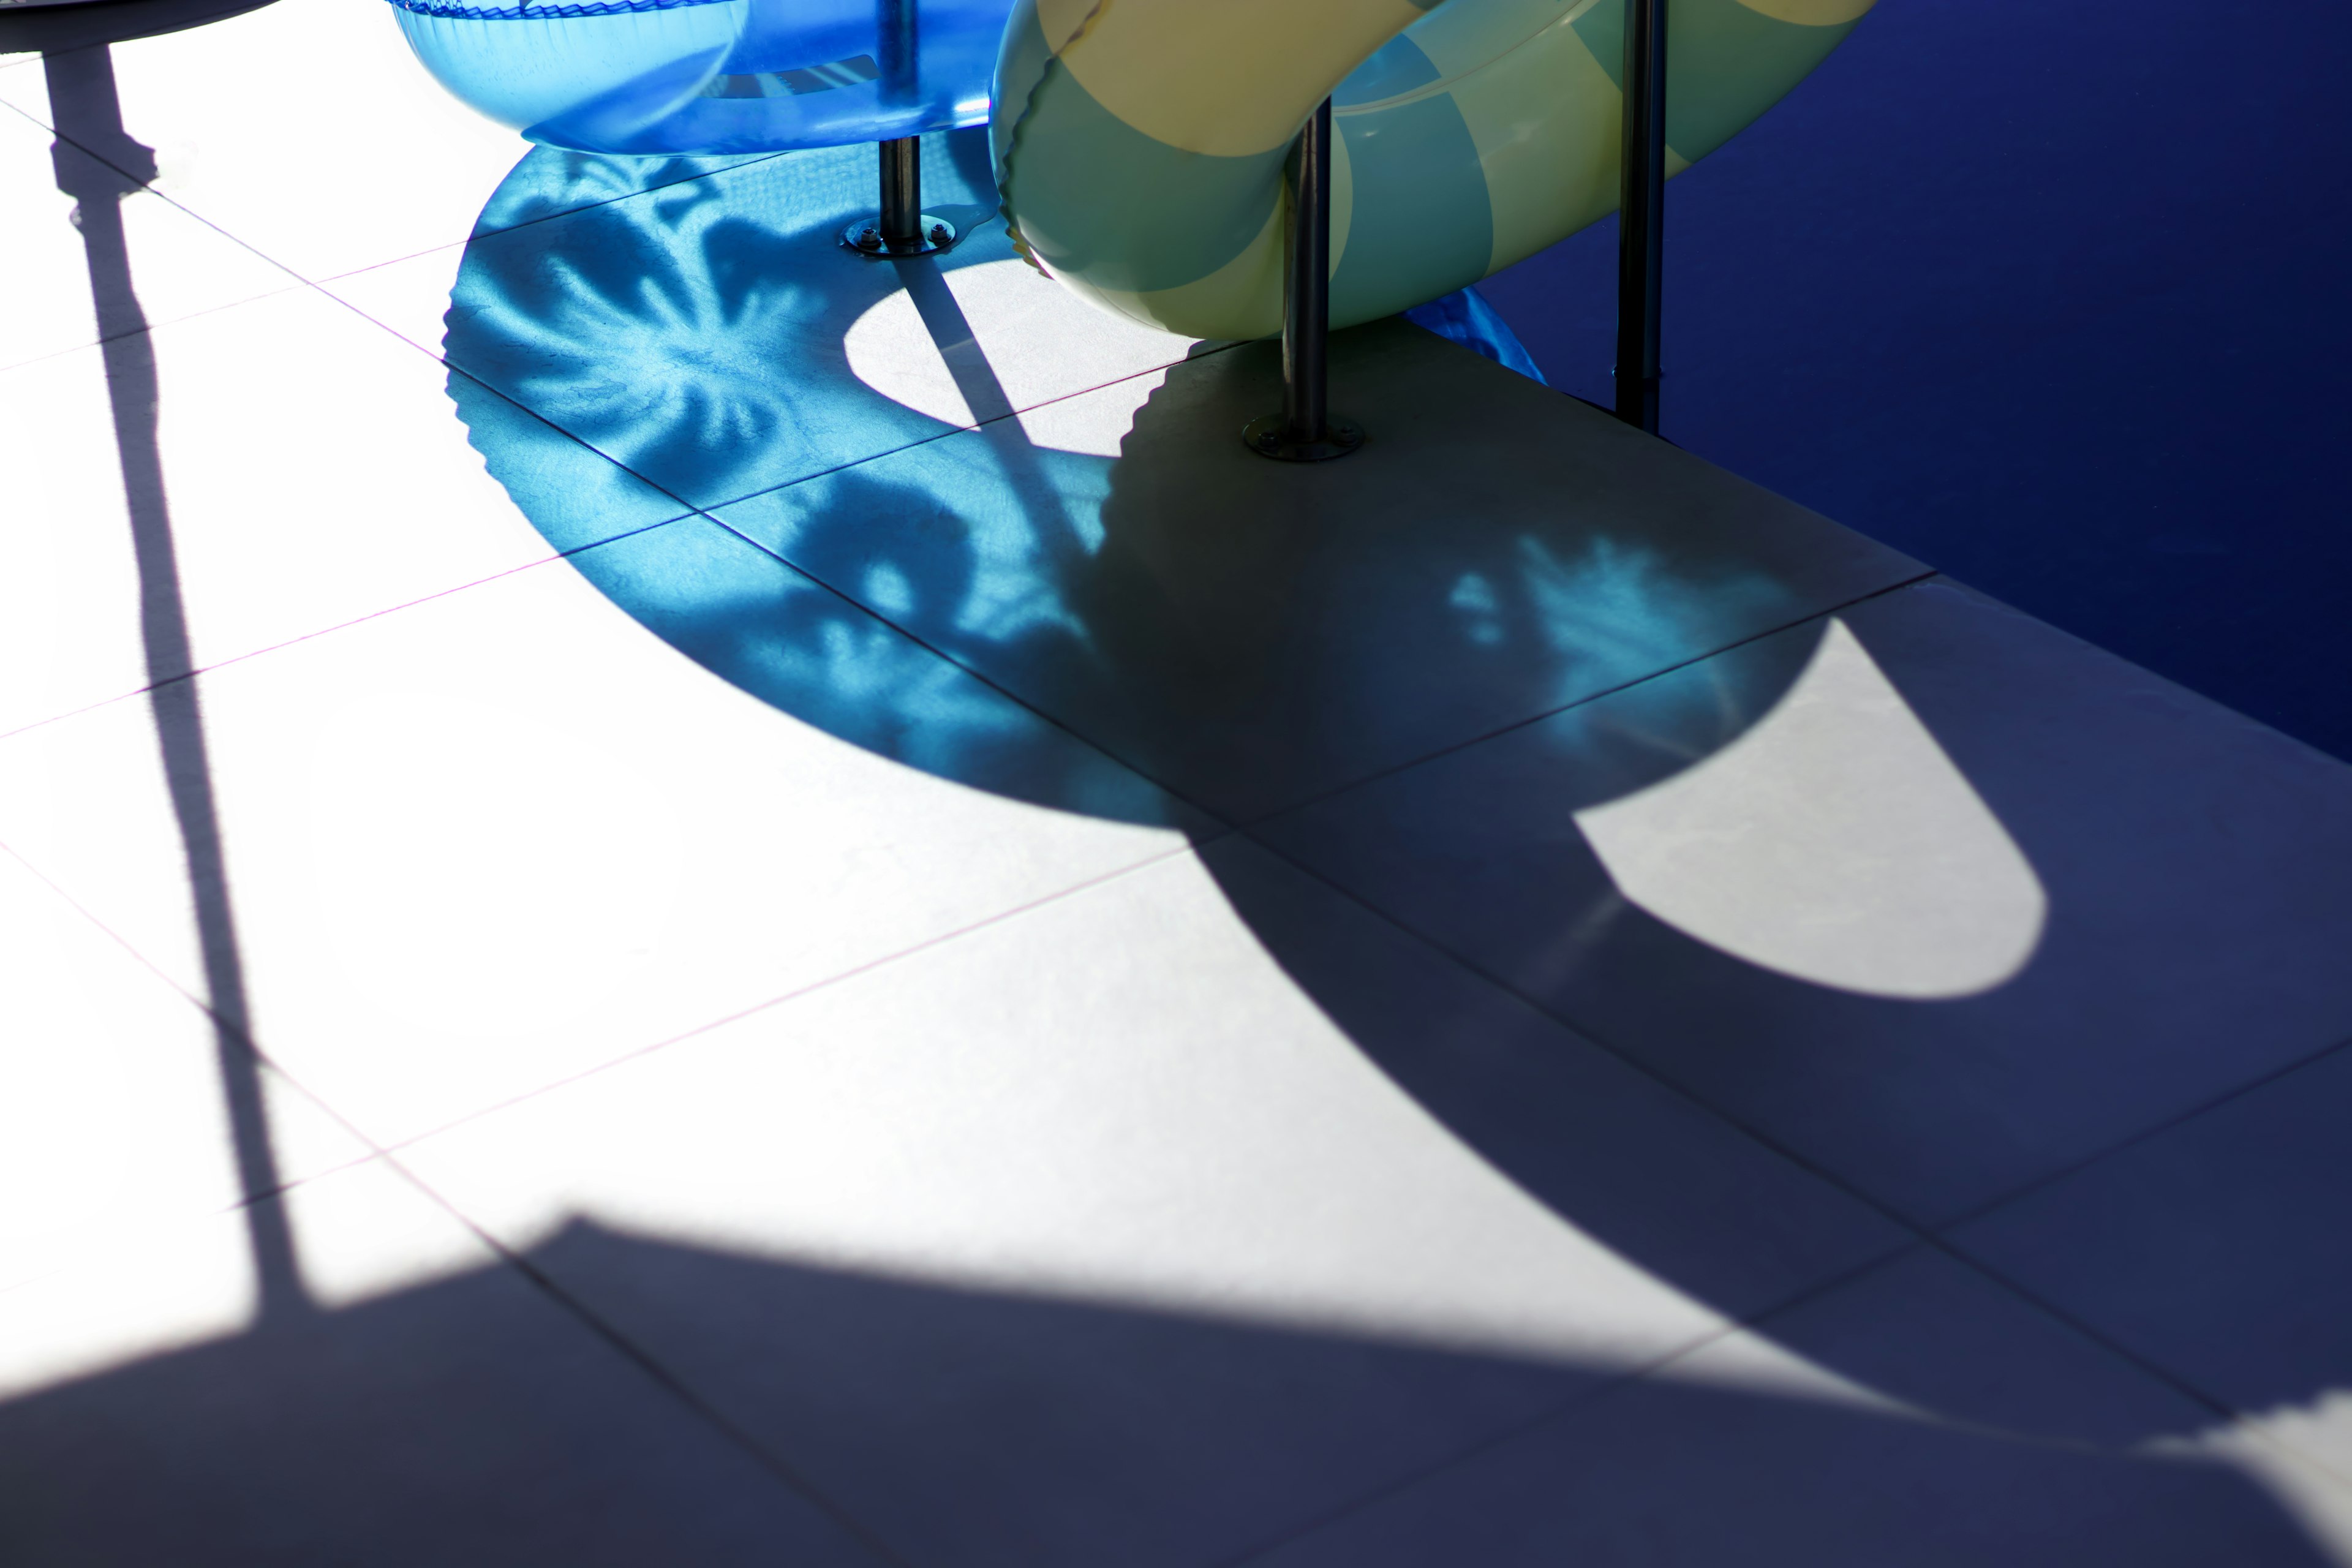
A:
{"x":2051,"y":295}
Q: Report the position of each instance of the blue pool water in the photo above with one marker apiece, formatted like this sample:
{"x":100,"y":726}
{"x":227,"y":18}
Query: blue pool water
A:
{"x":2052,"y":296}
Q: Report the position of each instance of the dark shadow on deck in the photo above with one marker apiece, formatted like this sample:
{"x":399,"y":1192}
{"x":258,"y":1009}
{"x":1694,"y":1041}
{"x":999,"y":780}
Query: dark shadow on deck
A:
{"x":468,"y":1422}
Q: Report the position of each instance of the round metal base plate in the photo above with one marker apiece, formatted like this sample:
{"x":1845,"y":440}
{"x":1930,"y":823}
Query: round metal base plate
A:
{"x":1271,"y":437}
{"x":865,"y":237}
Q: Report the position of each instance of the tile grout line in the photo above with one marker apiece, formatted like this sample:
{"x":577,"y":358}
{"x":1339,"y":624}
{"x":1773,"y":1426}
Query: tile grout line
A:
{"x":662,"y":1375}
{"x":147,"y":187}
{"x":295,"y":641}
{"x":388,"y":1156}
{"x":317,"y":285}
{"x":1567,"y":1405}
{"x":1757,"y":1322}
{"x":1921,"y":1233}
{"x":866,"y":967}
{"x":1934,"y":1239}
{"x":1246,"y":821}
{"x":222,"y":1027}
{"x":144,"y":187}
{"x":1929,"y":1238}
{"x":1097,"y":747}
{"x":708,"y":508}
{"x":1922,"y":1237}
{"x":1334,"y":791}
{"x":104,"y":339}
{"x":1943,"y":1241}
{"x":1192,"y":847}
{"x":533,"y":222}
{"x":655,"y":1368}
{"x":2033,"y":1185}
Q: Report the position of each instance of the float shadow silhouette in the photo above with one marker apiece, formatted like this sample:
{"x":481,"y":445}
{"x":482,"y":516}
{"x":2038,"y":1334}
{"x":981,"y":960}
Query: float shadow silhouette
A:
{"x":1252,"y":659}
{"x":1252,"y":638}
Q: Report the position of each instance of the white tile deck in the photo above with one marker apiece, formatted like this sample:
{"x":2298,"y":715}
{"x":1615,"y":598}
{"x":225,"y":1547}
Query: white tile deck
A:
{"x":111,"y":1090}
{"x":313,"y":477}
{"x":1056,"y":994}
{"x":506,"y":836}
{"x":181,"y":266}
{"x":340,"y":107}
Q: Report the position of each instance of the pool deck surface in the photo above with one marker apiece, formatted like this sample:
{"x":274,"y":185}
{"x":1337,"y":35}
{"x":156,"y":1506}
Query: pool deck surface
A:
{"x":950,"y":969}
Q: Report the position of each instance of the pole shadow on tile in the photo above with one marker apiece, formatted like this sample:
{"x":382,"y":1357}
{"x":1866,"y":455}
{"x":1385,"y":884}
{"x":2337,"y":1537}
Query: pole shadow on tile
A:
{"x":99,"y":165}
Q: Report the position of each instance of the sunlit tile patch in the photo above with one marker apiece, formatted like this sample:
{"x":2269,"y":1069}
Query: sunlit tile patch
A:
{"x":311,"y":474}
{"x":504,"y":836}
{"x":178,"y":266}
{"x":215,"y":103}
{"x":1835,"y":842}
{"x":113,"y":1106}
{"x":1213,"y":1199}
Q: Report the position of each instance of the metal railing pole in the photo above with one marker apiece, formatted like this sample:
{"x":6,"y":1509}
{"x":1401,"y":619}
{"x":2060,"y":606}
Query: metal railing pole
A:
{"x":900,"y":226}
{"x":1641,"y":214}
{"x":901,"y":219}
{"x":1307,"y":284}
{"x":1305,"y":431}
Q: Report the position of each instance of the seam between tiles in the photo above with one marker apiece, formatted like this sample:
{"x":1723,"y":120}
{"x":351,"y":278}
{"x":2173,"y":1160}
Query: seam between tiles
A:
{"x":233,"y":659}
{"x":862,"y":967}
{"x":1918,"y":1230}
{"x":2028,"y":1189}
{"x":147,"y":187}
{"x":616,"y":1341}
{"x":1614,"y":1384}
{"x":670,"y":1381}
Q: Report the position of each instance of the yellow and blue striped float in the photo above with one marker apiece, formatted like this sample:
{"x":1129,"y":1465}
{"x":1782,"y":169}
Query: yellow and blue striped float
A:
{"x":1140,"y":143}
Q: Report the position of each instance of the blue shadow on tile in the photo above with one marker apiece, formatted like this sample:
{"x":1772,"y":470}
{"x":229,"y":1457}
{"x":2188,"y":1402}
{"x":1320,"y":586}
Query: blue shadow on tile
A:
{"x":693,"y":331}
{"x":696,"y":335}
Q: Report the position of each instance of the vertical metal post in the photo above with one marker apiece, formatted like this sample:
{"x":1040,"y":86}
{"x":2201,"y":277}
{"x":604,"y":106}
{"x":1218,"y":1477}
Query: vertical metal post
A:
{"x":902,"y":192}
{"x":896,"y":23}
{"x":1305,"y":431}
{"x":1306,"y":283}
{"x":901,"y":228}
{"x":1641,"y":214}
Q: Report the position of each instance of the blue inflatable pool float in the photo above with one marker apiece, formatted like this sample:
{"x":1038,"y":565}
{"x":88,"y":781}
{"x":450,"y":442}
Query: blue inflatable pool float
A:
{"x":657,"y":77}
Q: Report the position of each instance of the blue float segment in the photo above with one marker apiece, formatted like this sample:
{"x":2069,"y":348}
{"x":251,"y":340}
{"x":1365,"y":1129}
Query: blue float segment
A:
{"x":1465,"y":319}
{"x":654,"y":76}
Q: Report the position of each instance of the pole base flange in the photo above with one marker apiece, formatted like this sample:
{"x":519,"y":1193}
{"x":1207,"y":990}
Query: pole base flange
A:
{"x":865,"y":237}
{"x":1272,"y":437}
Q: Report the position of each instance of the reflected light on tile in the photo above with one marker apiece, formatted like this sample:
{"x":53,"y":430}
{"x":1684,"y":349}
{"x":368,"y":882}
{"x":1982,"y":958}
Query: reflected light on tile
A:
{"x":1835,"y":842}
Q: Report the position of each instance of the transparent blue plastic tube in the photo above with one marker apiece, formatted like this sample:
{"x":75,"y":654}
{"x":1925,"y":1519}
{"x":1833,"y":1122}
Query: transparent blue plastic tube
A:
{"x":655,"y":76}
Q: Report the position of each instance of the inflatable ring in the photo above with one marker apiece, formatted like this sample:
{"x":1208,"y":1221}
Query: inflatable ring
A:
{"x":649,"y":77}
{"x":1140,"y":143}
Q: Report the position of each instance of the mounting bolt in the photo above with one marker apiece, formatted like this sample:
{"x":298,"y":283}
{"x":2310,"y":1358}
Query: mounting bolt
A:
{"x":869,"y":239}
